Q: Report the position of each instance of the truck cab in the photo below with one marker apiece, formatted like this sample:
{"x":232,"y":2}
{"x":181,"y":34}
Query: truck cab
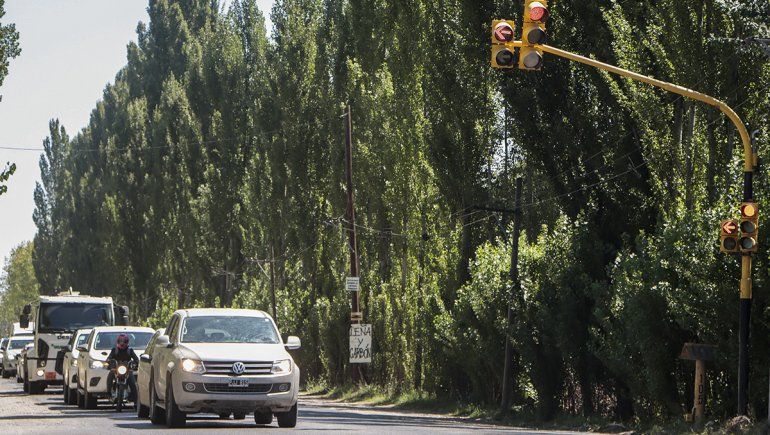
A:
{"x":53,"y":320}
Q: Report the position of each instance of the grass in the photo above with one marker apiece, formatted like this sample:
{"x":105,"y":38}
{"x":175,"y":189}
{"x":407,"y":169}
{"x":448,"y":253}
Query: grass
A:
{"x":378,"y":396}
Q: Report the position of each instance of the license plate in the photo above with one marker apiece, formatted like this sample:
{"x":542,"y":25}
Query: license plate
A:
{"x":238,"y":383}
{"x":50,"y":376}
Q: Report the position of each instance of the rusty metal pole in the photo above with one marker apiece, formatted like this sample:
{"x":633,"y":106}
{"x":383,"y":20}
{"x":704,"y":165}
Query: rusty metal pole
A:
{"x":355,"y":314}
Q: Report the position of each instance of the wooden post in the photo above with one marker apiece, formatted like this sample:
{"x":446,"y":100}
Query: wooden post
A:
{"x":700,"y":353}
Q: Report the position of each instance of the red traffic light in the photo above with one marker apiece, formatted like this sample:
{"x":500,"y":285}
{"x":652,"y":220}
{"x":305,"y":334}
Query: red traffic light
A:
{"x":538,"y":12}
{"x":503,"y":32}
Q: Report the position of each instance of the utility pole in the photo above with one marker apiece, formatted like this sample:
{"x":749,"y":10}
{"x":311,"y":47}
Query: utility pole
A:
{"x":515,"y":291}
{"x":356,"y":317}
{"x":272,"y":281}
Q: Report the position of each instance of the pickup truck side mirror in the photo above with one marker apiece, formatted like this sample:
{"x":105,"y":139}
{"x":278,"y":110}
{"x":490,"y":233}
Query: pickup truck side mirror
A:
{"x":293,"y":343}
{"x":82,"y":348}
{"x":163,"y":341}
{"x":66,"y":348}
{"x":145,"y":358}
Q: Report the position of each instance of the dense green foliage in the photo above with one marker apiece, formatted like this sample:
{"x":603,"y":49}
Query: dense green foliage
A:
{"x":18,"y":285}
{"x":216,"y":158}
{"x":9,"y":48}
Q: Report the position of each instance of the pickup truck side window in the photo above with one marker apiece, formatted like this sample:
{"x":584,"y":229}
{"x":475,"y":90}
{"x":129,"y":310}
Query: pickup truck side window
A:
{"x":173,"y":326}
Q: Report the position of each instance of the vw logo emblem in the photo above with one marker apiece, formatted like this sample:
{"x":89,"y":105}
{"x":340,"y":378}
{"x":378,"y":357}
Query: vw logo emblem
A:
{"x":239,"y":368}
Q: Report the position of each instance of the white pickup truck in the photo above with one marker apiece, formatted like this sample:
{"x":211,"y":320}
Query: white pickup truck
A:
{"x":221,"y":361}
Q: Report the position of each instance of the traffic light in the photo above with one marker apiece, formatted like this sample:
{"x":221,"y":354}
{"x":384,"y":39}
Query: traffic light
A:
{"x":533,"y":33}
{"x":749,"y":226}
{"x":502,"y":35}
{"x":728,"y":236}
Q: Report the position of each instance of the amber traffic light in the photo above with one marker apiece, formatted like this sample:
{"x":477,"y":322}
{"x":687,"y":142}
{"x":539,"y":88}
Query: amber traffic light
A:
{"x":749,"y":226}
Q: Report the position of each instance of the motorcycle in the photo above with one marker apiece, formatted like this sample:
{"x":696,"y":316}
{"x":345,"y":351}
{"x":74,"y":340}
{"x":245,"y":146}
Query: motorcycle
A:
{"x":119,"y":390}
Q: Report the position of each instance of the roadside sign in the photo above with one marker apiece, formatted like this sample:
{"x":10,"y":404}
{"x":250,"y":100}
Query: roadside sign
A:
{"x":360,"y":344}
{"x":352,"y":283}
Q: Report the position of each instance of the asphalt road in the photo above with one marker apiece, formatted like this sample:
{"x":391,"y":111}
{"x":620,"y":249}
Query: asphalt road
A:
{"x":46,"y":414}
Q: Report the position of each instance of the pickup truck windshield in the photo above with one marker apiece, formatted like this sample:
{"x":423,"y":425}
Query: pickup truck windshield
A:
{"x":229,"y":330}
{"x":108,"y":340}
{"x":19,"y":344}
{"x":69,"y":317}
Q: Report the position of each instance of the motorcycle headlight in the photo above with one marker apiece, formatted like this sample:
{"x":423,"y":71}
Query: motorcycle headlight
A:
{"x":122,"y":370}
{"x":193,"y":366}
{"x":281,"y":367}
{"x":98,"y":365}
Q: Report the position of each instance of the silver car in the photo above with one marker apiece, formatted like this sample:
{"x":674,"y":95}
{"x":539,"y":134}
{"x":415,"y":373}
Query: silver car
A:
{"x":11,"y":350}
{"x":70,"y":366}
{"x":222,"y":361}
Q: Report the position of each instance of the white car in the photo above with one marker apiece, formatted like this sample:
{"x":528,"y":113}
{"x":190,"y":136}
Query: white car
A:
{"x":143,"y":373}
{"x":70,"y":365}
{"x":222,"y":361}
{"x":11,"y":350}
{"x":92,"y":366}
{"x":2,"y":344}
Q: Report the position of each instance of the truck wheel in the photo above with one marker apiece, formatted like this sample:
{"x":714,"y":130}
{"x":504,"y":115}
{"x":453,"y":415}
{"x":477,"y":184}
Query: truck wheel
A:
{"x":141,"y":411}
{"x":289,"y":418}
{"x":81,"y":400}
{"x":90,"y":401}
{"x":157,"y":414}
{"x":26,"y":385}
{"x":73,"y":396}
{"x":174,"y":416}
{"x":239,"y":416}
{"x":6,"y":373}
{"x":36,"y":387}
{"x":66,"y":394}
{"x":263,"y":417}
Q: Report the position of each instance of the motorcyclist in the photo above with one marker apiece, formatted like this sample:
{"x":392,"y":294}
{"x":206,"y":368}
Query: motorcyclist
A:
{"x":122,"y":353}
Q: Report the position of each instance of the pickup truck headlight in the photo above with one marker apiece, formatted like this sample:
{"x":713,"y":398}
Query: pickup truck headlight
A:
{"x":281,"y":367}
{"x":98,"y":365}
{"x":193,"y":366}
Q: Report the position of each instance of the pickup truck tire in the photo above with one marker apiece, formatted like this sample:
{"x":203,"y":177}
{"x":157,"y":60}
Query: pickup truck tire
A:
{"x":157,"y":414}
{"x":263,"y":417}
{"x":72,"y":396}
{"x":66,"y":395}
{"x":174,"y":416}
{"x":288,"y":418}
{"x":6,"y":374}
{"x":89,"y":400}
{"x":239,"y":416}
{"x":81,"y":399}
{"x":141,"y":411}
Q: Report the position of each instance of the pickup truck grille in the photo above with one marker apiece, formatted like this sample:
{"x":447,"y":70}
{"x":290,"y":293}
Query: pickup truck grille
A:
{"x":226,"y":368}
{"x":224,"y":388}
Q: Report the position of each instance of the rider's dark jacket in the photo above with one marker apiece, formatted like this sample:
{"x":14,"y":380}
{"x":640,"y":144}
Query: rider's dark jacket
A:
{"x":123,"y":355}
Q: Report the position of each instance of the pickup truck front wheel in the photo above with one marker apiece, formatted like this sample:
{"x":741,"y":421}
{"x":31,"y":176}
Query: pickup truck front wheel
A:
{"x":288,"y":418}
{"x":174,"y":416}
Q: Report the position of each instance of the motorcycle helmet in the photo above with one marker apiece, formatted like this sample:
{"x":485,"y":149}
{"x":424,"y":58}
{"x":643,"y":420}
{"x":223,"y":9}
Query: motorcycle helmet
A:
{"x":123,"y":341}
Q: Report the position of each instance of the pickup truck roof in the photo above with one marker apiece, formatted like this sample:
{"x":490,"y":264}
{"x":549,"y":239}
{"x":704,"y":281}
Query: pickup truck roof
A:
{"x":202,"y":312}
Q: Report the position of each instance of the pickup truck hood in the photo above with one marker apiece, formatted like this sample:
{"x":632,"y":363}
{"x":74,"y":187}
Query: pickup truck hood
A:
{"x":228,"y":352}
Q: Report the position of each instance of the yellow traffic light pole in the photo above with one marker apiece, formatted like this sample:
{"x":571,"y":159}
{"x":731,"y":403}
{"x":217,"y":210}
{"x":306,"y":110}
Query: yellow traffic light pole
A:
{"x":749,"y":165}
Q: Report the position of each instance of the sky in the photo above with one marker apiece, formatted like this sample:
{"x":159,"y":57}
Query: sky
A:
{"x":70,"y":50}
